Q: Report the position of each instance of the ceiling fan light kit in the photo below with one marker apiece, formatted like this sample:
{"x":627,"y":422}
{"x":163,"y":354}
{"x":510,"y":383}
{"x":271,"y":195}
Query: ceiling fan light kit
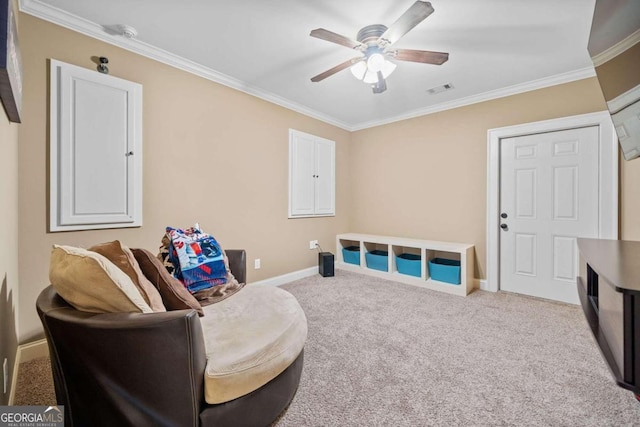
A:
{"x":363,"y":70}
{"x":374,"y":40}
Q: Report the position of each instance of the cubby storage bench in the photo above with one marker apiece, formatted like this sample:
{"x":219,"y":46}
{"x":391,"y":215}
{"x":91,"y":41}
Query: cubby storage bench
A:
{"x":421,"y":251}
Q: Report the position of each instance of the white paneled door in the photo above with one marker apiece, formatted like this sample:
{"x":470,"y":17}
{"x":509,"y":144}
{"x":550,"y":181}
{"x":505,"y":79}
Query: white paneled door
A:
{"x":548,"y":198}
{"x":325,"y":177}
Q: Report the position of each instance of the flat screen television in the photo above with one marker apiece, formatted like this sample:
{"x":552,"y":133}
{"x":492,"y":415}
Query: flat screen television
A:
{"x":614,"y":46}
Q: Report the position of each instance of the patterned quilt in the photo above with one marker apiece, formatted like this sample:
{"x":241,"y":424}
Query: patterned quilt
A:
{"x":197,"y":258}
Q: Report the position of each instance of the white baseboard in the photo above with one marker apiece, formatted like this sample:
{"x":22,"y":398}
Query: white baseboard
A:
{"x":308,"y":272}
{"x":289,"y":277}
{"x":25,"y":353}
{"x":482,"y":284}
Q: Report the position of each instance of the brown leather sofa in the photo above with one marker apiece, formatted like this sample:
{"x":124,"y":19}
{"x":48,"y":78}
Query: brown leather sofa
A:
{"x":132,"y":369}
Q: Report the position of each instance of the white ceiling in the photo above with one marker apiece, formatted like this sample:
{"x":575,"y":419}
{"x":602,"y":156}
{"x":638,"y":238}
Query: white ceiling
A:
{"x":263,"y":47}
{"x":613,"y":22}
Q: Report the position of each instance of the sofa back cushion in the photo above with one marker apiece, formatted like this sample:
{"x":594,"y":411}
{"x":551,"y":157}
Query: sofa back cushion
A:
{"x":124,"y":259}
{"x":90,"y":282}
{"x":174,"y":295}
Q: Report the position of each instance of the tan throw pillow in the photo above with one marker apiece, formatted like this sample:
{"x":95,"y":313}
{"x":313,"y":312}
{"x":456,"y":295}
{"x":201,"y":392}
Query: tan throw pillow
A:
{"x":90,"y":282}
{"x":123,"y":258}
{"x":174,"y":295}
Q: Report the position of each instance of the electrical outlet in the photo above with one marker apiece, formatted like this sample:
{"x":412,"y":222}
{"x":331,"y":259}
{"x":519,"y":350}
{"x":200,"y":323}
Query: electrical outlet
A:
{"x":5,"y":375}
{"x":256,"y":264}
{"x":313,"y":244}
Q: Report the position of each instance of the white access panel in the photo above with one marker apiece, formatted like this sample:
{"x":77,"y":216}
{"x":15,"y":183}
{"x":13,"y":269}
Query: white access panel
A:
{"x":311,"y":175}
{"x":302,"y":174}
{"x":325,"y":177}
{"x":96,"y":150}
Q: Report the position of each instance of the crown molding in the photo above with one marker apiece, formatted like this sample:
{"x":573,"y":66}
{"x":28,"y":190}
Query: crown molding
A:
{"x":67,"y":20}
{"x":91,"y":29}
{"x":554,"y":80}
{"x":616,"y":49}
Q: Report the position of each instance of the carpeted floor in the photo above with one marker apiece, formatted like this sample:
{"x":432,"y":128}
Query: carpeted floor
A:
{"x":381,"y":353}
{"x":34,"y":385}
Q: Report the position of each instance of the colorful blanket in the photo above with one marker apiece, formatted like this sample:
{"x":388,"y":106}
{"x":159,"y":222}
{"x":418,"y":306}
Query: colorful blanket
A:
{"x":197,"y":258}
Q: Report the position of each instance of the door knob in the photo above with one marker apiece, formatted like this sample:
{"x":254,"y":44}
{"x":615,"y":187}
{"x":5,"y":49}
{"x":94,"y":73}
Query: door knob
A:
{"x":504,"y":226}
{"x":503,"y":215}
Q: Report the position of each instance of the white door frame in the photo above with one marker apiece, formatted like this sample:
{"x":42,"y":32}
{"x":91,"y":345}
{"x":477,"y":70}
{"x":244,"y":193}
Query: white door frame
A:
{"x":607,"y":179}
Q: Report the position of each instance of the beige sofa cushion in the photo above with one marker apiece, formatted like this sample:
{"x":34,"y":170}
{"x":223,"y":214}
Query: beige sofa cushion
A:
{"x":90,"y":282}
{"x":124,"y":259}
{"x":174,"y":295}
{"x":250,"y":338}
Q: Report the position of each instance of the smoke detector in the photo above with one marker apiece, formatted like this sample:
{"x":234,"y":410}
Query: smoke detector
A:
{"x":127,"y":31}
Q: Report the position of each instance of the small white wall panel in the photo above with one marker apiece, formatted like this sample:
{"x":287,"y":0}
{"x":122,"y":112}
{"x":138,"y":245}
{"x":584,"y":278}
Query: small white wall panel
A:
{"x":325,"y":177}
{"x":311,"y":175}
{"x":302,"y":149}
{"x":96,"y":150}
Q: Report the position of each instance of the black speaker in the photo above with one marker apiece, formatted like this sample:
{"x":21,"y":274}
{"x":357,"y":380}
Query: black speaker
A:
{"x":325,"y":264}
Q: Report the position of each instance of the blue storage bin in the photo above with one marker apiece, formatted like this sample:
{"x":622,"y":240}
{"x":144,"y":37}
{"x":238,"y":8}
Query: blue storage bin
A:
{"x":351,"y":254}
{"x":445,"y":270}
{"x":377,"y":260}
{"x":410,"y":264}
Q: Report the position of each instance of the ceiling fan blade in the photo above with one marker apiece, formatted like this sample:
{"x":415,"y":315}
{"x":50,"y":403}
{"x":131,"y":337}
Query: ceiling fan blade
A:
{"x":412,"y":17}
{"x":330,"y":36}
{"x":424,"y":56}
{"x":381,"y":85}
{"x":339,"y":67}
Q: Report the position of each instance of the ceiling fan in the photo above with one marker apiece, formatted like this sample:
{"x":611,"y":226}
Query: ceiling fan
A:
{"x":375,"y":41}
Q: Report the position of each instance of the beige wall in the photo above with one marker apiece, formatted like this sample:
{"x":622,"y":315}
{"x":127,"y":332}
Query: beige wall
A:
{"x":621,"y":73}
{"x":211,"y":154}
{"x":422,"y":178}
{"x":426,"y":177}
{"x":9,"y":246}
{"x":617,"y":76}
{"x":630,"y":199}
